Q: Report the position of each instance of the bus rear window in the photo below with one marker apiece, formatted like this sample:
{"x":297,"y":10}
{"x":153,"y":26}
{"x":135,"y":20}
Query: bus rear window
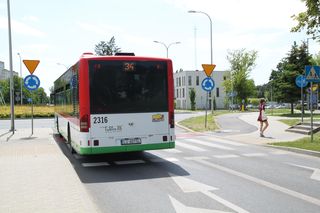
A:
{"x":128,"y":86}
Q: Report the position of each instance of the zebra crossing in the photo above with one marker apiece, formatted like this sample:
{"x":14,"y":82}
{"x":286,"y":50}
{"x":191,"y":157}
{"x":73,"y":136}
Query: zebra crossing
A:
{"x":201,"y":146}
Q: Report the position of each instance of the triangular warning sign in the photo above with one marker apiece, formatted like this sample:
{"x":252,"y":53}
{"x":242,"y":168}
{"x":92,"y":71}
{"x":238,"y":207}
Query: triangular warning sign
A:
{"x":208,"y":68}
{"x":31,"y":65}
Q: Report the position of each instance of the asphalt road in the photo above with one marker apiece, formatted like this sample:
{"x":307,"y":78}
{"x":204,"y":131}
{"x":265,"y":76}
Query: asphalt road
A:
{"x":204,"y":173}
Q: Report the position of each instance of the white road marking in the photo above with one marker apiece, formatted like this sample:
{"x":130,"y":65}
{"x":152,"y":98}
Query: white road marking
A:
{"x":210,"y":144}
{"x":95,"y":164}
{"x":181,"y":208}
{"x":267,"y":184}
{"x":163,"y":160}
{"x":128,"y":162}
{"x":188,"y":185}
{"x":316,"y":172}
{"x":191,"y":147}
{"x":175,"y":151}
{"x":220,"y":140}
{"x":254,"y":155}
{"x":226,"y":156}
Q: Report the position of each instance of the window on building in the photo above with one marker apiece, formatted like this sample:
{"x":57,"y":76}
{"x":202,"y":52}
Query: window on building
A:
{"x":217,"y":92}
{"x":189,"y":80}
{"x":224,"y":78}
{"x":177,"y":93}
{"x":182,"y":92}
{"x":179,"y":81}
{"x":197,"y":80}
{"x":210,"y":94}
{"x":183,"y":81}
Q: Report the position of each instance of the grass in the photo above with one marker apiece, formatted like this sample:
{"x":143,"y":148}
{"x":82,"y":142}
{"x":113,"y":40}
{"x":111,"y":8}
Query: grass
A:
{"x":198,"y":123}
{"x":303,"y":143}
{"x":24,"y":111}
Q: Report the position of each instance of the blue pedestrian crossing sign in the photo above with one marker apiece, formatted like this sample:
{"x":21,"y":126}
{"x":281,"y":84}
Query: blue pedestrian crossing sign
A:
{"x":31,"y":82}
{"x":207,"y":84}
{"x":312,"y":73}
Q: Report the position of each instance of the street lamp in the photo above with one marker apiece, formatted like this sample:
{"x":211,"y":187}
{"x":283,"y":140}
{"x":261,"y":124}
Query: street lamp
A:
{"x":63,"y":65}
{"x":167,"y":46}
{"x":193,"y":11}
{"x":21,"y":78}
{"x":12,"y":129}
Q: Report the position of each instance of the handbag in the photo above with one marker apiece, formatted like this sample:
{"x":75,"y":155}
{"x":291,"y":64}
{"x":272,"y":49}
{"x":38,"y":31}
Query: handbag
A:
{"x":263,"y":116}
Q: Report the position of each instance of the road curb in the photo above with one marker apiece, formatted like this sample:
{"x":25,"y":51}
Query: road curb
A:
{"x":296,"y":150}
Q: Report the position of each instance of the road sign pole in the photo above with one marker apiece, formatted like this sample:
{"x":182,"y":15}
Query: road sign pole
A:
{"x":311,"y":109}
{"x":302,"y":105}
{"x":32,"y":113}
{"x":206,"y":117}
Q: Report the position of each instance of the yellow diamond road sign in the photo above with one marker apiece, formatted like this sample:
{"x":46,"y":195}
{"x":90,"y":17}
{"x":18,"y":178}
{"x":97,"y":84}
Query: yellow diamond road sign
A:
{"x":208,"y":68}
{"x":31,"y":65}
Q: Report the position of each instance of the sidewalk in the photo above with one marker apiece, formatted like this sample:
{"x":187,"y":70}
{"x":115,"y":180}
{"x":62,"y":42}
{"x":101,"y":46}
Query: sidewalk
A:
{"x":274,"y":133}
{"x":37,"y":177}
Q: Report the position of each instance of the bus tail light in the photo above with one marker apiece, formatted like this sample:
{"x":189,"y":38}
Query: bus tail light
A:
{"x":84,"y":123}
{"x":171,"y":119}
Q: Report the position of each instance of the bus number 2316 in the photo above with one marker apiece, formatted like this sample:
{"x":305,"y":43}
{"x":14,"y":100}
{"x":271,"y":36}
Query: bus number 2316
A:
{"x":100,"y":120}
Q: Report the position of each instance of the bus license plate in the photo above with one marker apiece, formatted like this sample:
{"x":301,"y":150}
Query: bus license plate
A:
{"x":129,"y":141}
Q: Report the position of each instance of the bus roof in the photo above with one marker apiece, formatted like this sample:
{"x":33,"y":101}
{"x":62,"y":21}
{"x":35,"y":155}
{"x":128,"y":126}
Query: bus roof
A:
{"x":91,"y":56}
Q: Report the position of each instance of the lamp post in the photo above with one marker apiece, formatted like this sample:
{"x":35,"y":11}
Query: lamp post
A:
{"x":193,"y":11}
{"x":167,"y":46}
{"x":12,"y":129}
{"x":63,"y":65}
{"x":21,"y":78}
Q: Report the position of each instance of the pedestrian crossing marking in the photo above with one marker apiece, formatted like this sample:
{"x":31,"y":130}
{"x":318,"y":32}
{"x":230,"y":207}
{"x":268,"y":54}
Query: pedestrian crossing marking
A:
{"x":95,"y":164}
{"x":209,"y":144}
{"x":191,"y":147}
{"x":226,"y":156}
{"x":254,"y":155}
{"x":163,"y":160}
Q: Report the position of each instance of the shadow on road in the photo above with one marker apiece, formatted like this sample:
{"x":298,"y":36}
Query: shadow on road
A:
{"x":150,"y":167}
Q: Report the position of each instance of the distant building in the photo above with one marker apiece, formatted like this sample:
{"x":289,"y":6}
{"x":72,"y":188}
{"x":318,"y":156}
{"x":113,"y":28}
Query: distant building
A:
{"x":185,"y":80}
{"x":4,"y":73}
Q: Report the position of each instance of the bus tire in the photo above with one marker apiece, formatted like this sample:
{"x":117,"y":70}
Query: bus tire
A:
{"x":69,"y":140}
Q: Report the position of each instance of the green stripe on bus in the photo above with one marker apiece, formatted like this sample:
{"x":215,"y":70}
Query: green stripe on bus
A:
{"x":127,"y":148}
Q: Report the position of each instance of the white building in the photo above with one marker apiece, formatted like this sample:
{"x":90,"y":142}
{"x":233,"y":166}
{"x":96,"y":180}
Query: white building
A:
{"x":185,"y":80}
{"x":5,"y":74}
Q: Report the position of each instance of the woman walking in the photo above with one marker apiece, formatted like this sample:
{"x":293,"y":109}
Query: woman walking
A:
{"x":263,"y":119}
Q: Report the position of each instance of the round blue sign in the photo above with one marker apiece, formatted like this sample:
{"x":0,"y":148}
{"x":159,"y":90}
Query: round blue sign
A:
{"x":207,"y":84}
{"x":31,"y":82}
{"x":301,"y":81}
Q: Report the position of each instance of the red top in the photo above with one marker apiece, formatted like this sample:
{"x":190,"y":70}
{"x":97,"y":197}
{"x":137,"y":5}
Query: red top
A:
{"x":261,"y":108}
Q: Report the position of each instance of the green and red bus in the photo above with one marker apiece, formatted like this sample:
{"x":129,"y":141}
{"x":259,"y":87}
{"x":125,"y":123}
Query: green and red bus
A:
{"x":109,"y":104}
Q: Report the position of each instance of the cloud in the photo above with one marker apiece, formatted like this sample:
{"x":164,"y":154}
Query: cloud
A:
{"x":99,"y":29}
{"x":246,"y":14}
{"x":21,"y":28}
{"x":30,"y":19}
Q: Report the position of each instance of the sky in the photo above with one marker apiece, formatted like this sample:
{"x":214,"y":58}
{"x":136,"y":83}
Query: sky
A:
{"x":58,"y":32}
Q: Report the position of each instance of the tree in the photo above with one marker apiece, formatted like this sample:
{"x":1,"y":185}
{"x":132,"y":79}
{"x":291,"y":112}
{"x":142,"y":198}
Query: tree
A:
{"x":283,"y":78}
{"x":241,"y":62}
{"x":309,"y":19}
{"x":107,"y":48}
{"x":315,"y":60}
{"x":192,"y":95}
{"x":39,"y":95}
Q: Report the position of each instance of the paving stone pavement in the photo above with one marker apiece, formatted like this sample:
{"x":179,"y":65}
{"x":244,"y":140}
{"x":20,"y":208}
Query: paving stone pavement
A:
{"x":35,"y":176}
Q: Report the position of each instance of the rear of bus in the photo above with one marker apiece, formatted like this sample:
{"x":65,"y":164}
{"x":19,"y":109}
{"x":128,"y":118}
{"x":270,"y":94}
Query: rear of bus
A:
{"x":131,"y":104}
